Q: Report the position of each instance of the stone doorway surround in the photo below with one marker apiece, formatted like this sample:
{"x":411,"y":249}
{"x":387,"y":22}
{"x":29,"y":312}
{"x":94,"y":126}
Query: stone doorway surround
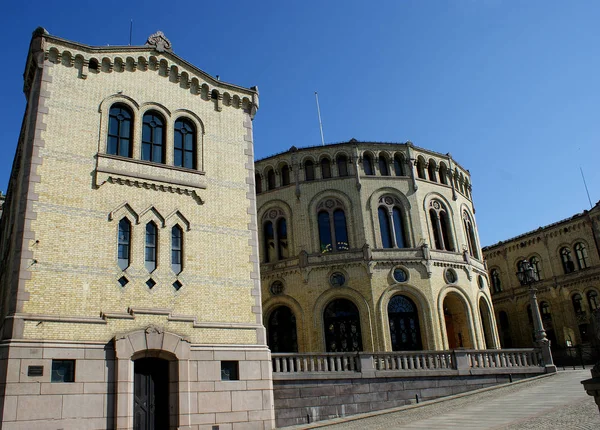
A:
{"x":152,"y":342}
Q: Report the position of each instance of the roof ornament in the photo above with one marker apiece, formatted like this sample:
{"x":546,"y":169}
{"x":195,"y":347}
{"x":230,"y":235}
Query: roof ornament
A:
{"x":159,"y":41}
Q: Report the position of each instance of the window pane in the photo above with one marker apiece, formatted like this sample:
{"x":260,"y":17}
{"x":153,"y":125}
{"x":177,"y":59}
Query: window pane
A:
{"x":367,"y":165}
{"x":398,"y":228}
{"x":125,"y":130}
{"x":269,"y":233}
{"x":189,"y":160}
{"x":178,"y":160}
{"x":157,"y":154}
{"x":282,"y":241}
{"x":189,"y":142}
{"x":146,"y":151}
{"x":383,"y":166}
{"x":178,"y":140}
{"x":398,"y":167}
{"x":341,"y":234}
{"x":112,"y":145}
{"x":342,"y":166}
{"x":124,"y":148}
{"x":325,"y":232}
{"x":384,"y":228}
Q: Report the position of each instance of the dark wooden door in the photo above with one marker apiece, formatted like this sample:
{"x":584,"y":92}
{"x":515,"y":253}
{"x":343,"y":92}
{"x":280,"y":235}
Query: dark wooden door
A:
{"x":151,"y":394}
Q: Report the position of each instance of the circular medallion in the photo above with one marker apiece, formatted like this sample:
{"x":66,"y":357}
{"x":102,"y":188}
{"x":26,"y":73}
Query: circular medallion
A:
{"x":388,"y":200}
{"x":273,"y":214}
{"x":436,"y":204}
{"x":451,"y":276}
{"x":329,"y":204}
{"x":337,"y":279}
{"x":400,"y":275}
{"x":277,"y":288}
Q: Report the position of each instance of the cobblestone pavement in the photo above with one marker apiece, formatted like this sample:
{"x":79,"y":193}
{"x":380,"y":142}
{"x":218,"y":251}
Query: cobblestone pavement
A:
{"x":557,"y":402}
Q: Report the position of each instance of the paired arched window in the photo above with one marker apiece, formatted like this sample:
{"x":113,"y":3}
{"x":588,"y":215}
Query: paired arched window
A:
{"x":325,"y":168}
{"x":496,"y":282}
{"x":404,"y":324}
{"x":440,"y":226}
{"x":285,"y":175}
{"x":150,"y":248}
{"x":582,"y":255}
{"x":368,"y":164}
{"x":537,"y":267}
{"x":421,"y":168}
{"x":342,"y":165}
{"x":592,"y":297}
{"x":275,"y":236}
{"x":309,"y":170}
{"x":431,"y":170}
{"x":185,"y":144}
{"x":443,"y":173}
{"x":399,"y":165}
{"x":470,"y":234}
{"x":342,"y":327}
{"x":153,"y":137}
{"x":120,"y":131}
{"x":333,"y":232}
{"x":177,"y":249}
{"x":281,"y":330}
{"x":384,"y":169}
{"x":566,"y":259}
{"x":577,"y":303}
{"x":391,"y":223}
{"x":271,"y":180}
{"x":124,"y":244}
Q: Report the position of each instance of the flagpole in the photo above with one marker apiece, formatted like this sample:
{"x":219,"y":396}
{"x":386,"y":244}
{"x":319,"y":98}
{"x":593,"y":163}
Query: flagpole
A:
{"x":320,"y":122}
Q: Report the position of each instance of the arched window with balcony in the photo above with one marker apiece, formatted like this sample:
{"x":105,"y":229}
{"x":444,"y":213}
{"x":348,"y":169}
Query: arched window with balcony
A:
{"x":325,"y":168}
{"x":185,"y":146}
{"x":271,"y":185}
{"x":275,"y":236}
{"x":392,"y":223}
{"x":333,"y":232}
{"x":384,"y":169}
{"x":368,"y":165}
{"x":431,"y":167}
{"x":342,"y":165}
{"x":582,"y":255}
{"x":120,"y":131}
{"x":443,"y":173}
{"x":440,"y":226}
{"x":399,"y":165}
{"x":309,"y":170}
{"x":496,"y":281}
{"x":567,"y":261}
{"x":403,"y":318}
{"x":285,"y":175}
{"x":470,"y":235}
{"x":421,"y":168}
{"x":281,"y":330}
{"x":153,"y":137}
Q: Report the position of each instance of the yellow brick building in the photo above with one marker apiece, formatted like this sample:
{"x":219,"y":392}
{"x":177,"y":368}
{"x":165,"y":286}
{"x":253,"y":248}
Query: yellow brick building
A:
{"x":129,"y":275}
{"x":370,"y":247}
{"x":565,"y":256}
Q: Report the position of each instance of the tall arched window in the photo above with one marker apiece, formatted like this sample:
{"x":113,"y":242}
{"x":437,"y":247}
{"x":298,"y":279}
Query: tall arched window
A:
{"x":470,"y":234}
{"x":443,"y":173}
{"x":545,"y":311}
{"x":421,"y":168}
{"x":368,"y":164}
{"x":124,"y":244}
{"x":281,"y":330}
{"x":577,"y":303}
{"x":431,"y":170}
{"x":153,"y":137}
{"x":537,"y":267}
{"x":151,"y":241}
{"x":342,"y":165}
{"x":120,"y":131}
{"x":333,"y":233}
{"x":384,"y":170}
{"x":440,"y":224}
{"x":185,"y":144}
{"x":582,"y":255}
{"x":592,"y":297}
{"x":342,"y":327}
{"x":399,"y":165}
{"x":404,"y":324}
{"x":325,"y":168}
{"x":309,"y":170}
{"x":392,"y":224}
{"x":285,"y":175}
{"x":567,"y":261}
{"x":275,"y":237}
{"x":271,"y":179}
{"x":496,"y":282}
{"x":258,"y":183}
{"x":176,"y":249}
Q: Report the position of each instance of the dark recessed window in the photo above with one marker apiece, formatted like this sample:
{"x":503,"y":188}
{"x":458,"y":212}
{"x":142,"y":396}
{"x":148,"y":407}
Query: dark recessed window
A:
{"x":230,"y":371}
{"x":63,"y":371}
{"x":123,"y":281}
{"x":481,"y":282}
{"x":151,"y":240}
{"x":119,"y":131}
{"x":277,"y":288}
{"x":185,"y":144}
{"x":176,"y":249}
{"x":151,"y":283}
{"x":337,"y":279}
{"x":153,"y":138}
{"x":451,"y":276}
{"x":400,"y":275}
{"x":177,"y":285}
{"x":124,"y":239}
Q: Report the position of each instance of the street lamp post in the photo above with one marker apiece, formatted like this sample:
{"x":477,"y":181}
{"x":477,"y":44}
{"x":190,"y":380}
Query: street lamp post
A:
{"x":527,"y":277}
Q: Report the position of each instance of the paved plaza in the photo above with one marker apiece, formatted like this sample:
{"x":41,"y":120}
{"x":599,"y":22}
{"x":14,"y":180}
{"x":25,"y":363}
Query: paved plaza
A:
{"x":553,"y":402}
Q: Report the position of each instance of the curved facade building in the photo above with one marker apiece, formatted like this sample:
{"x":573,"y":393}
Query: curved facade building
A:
{"x":370,"y":247}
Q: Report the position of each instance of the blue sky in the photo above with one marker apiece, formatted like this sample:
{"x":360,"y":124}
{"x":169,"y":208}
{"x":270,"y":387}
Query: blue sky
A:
{"x":510,"y":88}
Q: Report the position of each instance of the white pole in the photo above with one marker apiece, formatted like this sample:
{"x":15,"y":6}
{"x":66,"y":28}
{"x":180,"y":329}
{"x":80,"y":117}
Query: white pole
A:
{"x":320,"y":123}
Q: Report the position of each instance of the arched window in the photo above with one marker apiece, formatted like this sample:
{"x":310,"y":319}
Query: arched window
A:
{"x":124,"y":244}
{"x":342,"y":327}
{"x":176,"y":249}
{"x":505,"y":338}
{"x":470,"y":234}
{"x":151,"y":241}
{"x":184,"y":144}
{"x":421,"y":168}
{"x":285,"y":175}
{"x":325,"y":168}
{"x":153,"y":137}
{"x":443,"y":173}
{"x":592,"y":297}
{"x":440,"y":224}
{"x":342,"y":165}
{"x":582,"y":255}
{"x":467,"y":189}
{"x":368,"y":164}
{"x":404,"y":324}
{"x":309,"y":170}
{"x":399,"y":165}
{"x":333,"y":233}
{"x":545,"y":311}
{"x":537,"y":267}
{"x":384,"y":170}
{"x":271,"y":179}
{"x":496,"y":282}
{"x":275,"y":237}
{"x":258,"y":183}
{"x":120,"y":131}
{"x":577,"y":303}
{"x":281,"y":330}
{"x":567,"y":262}
{"x":391,"y":223}
{"x":431,"y":170}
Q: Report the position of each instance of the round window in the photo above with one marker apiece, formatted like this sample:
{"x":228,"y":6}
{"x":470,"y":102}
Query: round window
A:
{"x":400,"y":275}
{"x":337,"y":279}
{"x":481,"y":282}
{"x":277,"y":288}
{"x":451,"y":276}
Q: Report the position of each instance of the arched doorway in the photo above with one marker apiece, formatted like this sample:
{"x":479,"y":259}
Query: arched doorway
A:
{"x":505,"y":337}
{"x":457,"y":322}
{"x":486,"y":322}
{"x":404,"y":324}
{"x":342,"y":327}
{"x":281,"y":330}
{"x":150,"y":394}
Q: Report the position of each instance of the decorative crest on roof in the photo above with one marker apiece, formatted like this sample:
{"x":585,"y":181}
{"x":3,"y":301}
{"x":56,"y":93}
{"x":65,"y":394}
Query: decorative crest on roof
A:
{"x":159,"y":41}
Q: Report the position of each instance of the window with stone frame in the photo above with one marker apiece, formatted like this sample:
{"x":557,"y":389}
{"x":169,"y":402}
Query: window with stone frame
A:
{"x":325,"y":168}
{"x":275,"y":236}
{"x":153,"y":137}
{"x":443,"y":170}
{"x":342,"y":165}
{"x":577,"y":303}
{"x":421,"y":168}
{"x":384,"y":169}
{"x":333,"y":231}
{"x":582,"y":255}
{"x":567,"y":261}
{"x":537,"y":267}
{"x":271,"y":185}
{"x":258,"y":183}
{"x":593,"y":302}
{"x":185,"y":144}
{"x":177,"y":249}
{"x":392,"y":223}
{"x":440,"y":226}
{"x":367,"y":162}
{"x":285,"y":175}
{"x":431,"y":168}
{"x":470,"y":235}
{"x":120,"y":131}
{"x":124,"y":244}
{"x":496,"y":281}
{"x":309,"y":170}
{"x":399,"y":165}
{"x":150,"y":253}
